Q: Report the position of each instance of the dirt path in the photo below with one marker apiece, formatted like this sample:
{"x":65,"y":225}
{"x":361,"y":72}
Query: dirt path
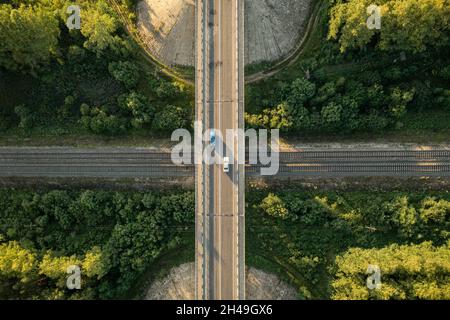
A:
{"x":165,"y":33}
{"x":179,"y":284}
{"x":273,"y":29}
{"x":293,"y":56}
{"x":144,"y":51}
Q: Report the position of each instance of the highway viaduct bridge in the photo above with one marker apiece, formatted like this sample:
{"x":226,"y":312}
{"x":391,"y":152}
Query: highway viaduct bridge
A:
{"x":220,"y":221}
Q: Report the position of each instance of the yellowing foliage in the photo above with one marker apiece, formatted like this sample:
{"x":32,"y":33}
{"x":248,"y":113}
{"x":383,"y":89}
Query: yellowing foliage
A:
{"x":410,"y":25}
{"x":407,"y":272}
{"x":16,"y":261}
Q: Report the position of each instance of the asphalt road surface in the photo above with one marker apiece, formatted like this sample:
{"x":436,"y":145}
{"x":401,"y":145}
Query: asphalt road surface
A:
{"x":220,"y":195}
{"x":141,"y":163}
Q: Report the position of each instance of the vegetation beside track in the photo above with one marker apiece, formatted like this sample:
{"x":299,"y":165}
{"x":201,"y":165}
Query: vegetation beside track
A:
{"x":123,"y":240}
{"x":94,"y":82}
{"x":311,"y":239}
{"x":339,"y":88}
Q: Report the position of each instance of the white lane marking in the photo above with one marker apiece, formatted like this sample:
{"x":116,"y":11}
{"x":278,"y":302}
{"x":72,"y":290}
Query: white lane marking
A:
{"x":219,"y":28}
{"x":236,"y":61}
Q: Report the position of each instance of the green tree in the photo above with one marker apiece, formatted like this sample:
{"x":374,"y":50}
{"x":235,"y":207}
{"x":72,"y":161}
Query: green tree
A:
{"x":166,"y":89}
{"x":115,"y":236}
{"x":276,"y":118}
{"x":404,"y":216}
{"x":99,"y":27}
{"x":350,"y":113}
{"x":25,"y":116}
{"x":140,"y":108}
{"x":55,"y":267}
{"x":28,"y":37}
{"x":300,"y":92}
{"x":301,"y":118}
{"x":55,"y":205}
{"x":16,"y":261}
{"x":410,"y":25}
{"x":327,"y":91}
{"x":101,"y":122}
{"x":376,"y":97}
{"x":274,"y":206}
{"x":95,"y":263}
{"x":134,"y":244}
{"x":170,"y":118}
{"x":436,"y":211}
{"x":332,"y":114}
{"x":407,"y":272}
{"x":124,"y":71}
{"x":399,"y":100}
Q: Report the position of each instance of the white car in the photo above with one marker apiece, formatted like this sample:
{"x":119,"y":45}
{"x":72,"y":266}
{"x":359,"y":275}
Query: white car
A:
{"x":226,"y":164}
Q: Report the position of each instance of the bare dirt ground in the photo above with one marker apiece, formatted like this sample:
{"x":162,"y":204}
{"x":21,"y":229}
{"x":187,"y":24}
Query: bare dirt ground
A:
{"x":272,"y":28}
{"x":179,"y":284}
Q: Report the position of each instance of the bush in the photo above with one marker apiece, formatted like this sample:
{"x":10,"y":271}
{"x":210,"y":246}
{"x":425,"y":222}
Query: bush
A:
{"x":170,"y":119}
{"x":332,"y":115}
{"x":407,"y":272}
{"x":25,"y":117}
{"x":139,"y":107}
{"x":112,"y":236}
{"x":338,"y":106}
{"x":276,"y":118}
{"x":75,"y":54}
{"x":124,"y":71}
{"x":166,"y":89}
{"x":326,"y":240}
{"x":274,"y":206}
{"x":300,"y":92}
{"x":100,"y":122}
{"x":66,"y":109}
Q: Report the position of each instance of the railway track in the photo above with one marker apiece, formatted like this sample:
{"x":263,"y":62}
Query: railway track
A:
{"x":136,"y":163}
{"x":135,"y":153}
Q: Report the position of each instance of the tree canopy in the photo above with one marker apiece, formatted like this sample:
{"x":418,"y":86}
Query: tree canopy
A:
{"x":409,"y":25}
{"x":407,"y":272}
{"x":28,"y":37}
{"x":111,"y":236}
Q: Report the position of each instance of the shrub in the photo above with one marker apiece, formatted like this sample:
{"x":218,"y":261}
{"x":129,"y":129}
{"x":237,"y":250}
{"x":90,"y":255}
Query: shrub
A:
{"x":170,"y":118}
{"x":139,"y":107}
{"x":124,"y":71}
{"x":274,"y":206}
{"x":25,"y":116}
